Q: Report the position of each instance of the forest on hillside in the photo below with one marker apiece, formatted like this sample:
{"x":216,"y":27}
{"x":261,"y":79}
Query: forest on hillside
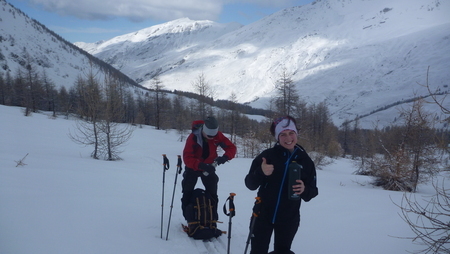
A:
{"x":400,"y":156}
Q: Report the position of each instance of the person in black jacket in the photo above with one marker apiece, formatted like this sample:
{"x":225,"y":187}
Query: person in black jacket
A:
{"x":269,"y":174}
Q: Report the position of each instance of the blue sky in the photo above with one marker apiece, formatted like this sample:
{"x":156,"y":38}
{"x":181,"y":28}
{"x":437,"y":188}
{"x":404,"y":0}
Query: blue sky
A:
{"x":94,"y":20}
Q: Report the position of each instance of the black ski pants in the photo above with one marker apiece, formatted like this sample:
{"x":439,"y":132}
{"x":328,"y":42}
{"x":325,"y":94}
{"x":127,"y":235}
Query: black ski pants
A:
{"x":190,"y":178}
{"x":283,"y":236}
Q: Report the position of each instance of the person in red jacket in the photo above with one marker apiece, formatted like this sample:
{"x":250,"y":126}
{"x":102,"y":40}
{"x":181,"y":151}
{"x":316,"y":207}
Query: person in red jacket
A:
{"x":201,"y":158}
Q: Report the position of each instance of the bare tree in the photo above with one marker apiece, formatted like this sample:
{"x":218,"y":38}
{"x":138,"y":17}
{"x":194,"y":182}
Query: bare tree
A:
{"x":113,"y":136}
{"x":29,"y":81}
{"x":250,"y":146}
{"x":429,"y":219}
{"x":50,"y":93}
{"x":99,"y":123}
{"x":317,"y":131}
{"x":86,"y":133}
{"x":180,"y":118}
{"x":159,"y":95}
{"x":3,"y":90}
{"x":8,"y":94}
{"x":113,"y":133}
{"x":205,"y":91}
{"x":287,"y":96}
{"x":90,"y":104}
{"x":234,"y":118}
{"x":439,"y":102}
{"x":354,"y":140}
{"x":409,"y":152}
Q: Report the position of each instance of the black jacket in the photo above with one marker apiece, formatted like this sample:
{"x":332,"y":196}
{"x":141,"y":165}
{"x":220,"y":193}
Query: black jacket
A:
{"x":275,"y":204}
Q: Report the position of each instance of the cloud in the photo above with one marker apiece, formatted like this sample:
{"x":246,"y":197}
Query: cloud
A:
{"x":135,"y":10}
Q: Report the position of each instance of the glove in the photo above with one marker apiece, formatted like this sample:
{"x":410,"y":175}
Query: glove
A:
{"x":206,"y":167}
{"x":221,"y":160}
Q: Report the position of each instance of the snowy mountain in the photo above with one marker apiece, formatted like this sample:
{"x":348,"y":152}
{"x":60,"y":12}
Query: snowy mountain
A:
{"x":357,"y":55}
{"x":26,"y":41}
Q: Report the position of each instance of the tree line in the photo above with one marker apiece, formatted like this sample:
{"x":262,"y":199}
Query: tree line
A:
{"x":411,"y":144}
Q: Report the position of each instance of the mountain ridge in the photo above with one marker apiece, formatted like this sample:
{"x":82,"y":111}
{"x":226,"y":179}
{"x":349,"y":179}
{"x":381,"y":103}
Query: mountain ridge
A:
{"x":25,"y":41}
{"x":355,"y":55}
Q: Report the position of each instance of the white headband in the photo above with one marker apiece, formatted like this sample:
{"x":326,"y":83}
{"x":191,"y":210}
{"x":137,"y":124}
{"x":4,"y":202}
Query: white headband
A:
{"x":283,"y":125}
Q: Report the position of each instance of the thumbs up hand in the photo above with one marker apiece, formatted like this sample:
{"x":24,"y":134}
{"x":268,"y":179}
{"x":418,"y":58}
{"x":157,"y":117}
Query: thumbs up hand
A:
{"x":266,"y":168}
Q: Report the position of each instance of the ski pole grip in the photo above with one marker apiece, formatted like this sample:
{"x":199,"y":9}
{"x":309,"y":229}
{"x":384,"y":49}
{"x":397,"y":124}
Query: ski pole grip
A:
{"x":179,"y":161}
{"x":231,"y":208}
{"x":165,"y":162}
{"x":257,"y":207}
{"x":179,"y":164}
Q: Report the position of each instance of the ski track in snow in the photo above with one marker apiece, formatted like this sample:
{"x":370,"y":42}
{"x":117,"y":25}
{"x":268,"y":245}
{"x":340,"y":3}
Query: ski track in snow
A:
{"x":200,"y":246}
{"x":221,"y":242}
{"x":215,"y":246}
{"x":211,"y":246}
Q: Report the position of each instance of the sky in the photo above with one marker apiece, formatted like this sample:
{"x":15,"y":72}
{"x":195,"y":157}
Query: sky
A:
{"x":92,"y":21}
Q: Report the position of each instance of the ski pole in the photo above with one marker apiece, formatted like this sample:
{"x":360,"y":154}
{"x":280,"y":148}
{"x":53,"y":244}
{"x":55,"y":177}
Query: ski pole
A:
{"x":255,"y":214}
{"x":165,"y":167}
{"x":232,"y":212}
{"x":178,"y":171}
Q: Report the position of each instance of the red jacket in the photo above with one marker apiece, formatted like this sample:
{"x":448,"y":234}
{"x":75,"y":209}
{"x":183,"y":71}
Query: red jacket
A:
{"x":192,"y":153}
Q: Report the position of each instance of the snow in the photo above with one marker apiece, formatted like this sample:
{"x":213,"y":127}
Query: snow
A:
{"x":357,"y":56}
{"x":63,"y":201}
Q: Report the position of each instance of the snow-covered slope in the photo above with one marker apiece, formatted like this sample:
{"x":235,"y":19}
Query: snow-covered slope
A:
{"x":143,"y":54}
{"x":62,"y":201}
{"x":23,"y":41}
{"x":356,"y":55}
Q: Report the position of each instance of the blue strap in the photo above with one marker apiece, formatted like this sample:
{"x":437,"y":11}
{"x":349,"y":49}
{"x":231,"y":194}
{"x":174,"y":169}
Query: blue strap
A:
{"x":286,"y":165}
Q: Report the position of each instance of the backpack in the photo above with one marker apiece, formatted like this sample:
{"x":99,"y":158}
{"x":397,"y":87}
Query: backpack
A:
{"x":201,"y":216}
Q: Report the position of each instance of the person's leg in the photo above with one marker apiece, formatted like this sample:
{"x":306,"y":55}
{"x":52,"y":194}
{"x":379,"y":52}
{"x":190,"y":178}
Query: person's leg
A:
{"x":261,"y":234}
{"x":210,"y":182}
{"x":187,"y":184}
{"x":284,"y":235}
